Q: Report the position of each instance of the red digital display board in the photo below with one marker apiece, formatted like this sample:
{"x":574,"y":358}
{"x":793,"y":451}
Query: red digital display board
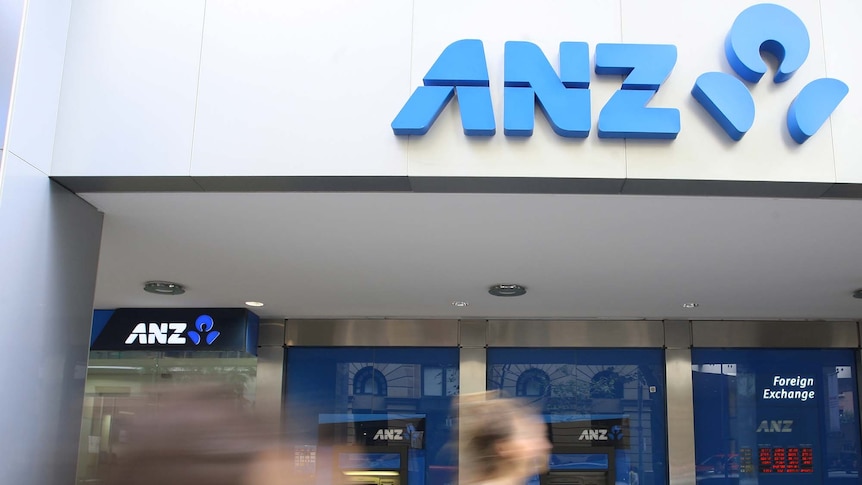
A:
{"x":786,"y":460}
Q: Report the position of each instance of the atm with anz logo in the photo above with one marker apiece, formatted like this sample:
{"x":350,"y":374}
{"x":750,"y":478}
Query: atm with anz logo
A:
{"x":372,"y":449}
{"x":587,"y":450}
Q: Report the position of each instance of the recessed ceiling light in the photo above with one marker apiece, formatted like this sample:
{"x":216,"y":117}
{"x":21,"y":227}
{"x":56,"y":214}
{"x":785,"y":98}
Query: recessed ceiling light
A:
{"x":507,"y":289}
{"x":858,"y":293}
{"x":254,"y":303}
{"x":164,"y":288}
{"x":690,"y":304}
{"x":460,"y":304}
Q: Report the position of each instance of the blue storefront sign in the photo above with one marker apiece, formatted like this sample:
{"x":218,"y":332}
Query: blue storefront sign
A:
{"x":769,"y":416}
{"x":184,"y":329}
{"x":564,"y":98}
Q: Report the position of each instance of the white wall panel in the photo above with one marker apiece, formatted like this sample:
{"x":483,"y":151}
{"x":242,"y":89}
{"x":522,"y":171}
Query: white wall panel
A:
{"x":302,"y":88}
{"x":129,"y":84}
{"x":37,"y":89}
{"x":703,"y":150}
{"x":842,"y":36}
{"x":49,"y":239}
{"x":446,"y":151}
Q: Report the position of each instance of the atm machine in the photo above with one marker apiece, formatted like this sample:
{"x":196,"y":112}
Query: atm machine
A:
{"x":369,"y":465}
{"x":577,"y":466}
{"x":585,"y":449}
{"x":372,"y":449}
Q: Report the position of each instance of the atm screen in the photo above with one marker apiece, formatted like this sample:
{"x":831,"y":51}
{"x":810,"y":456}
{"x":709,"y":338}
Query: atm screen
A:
{"x":579,"y":461}
{"x":369,"y":461}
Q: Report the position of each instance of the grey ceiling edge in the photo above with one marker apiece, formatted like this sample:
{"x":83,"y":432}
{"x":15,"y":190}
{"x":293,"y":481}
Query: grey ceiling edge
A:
{"x":516,"y":185}
{"x":128,"y":184}
{"x":726,"y":188}
{"x":499,"y":185}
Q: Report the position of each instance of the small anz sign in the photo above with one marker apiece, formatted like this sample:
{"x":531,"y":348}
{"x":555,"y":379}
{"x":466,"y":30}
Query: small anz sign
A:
{"x":184,"y":329}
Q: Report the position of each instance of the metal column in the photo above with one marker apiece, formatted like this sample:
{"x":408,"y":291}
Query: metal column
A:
{"x":680,"y":403}
{"x":269,"y":390}
{"x":472,"y":345}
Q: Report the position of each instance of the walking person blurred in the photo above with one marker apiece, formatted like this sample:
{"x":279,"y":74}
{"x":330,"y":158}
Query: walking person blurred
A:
{"x":503,"y":441}
{"x":200,"y":436}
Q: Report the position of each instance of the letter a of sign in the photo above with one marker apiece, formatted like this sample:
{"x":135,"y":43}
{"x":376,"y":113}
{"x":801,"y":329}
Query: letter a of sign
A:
{"x":461,"y":69}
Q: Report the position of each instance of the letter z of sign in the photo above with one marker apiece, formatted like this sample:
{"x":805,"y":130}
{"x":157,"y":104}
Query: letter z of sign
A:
{"x":176,"y":337}
{"x":645,"y":67}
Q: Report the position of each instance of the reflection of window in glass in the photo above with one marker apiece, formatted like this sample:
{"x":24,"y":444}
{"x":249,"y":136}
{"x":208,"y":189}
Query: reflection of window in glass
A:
{"x":439,"y":381}
{"x":594,"y":389}
{"x":778,"y":411}
{"x":533,"y":383}
{"x":370,"y":382}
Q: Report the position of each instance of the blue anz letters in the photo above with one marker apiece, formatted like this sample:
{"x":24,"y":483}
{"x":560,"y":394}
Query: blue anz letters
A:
{"x":563,"y":94}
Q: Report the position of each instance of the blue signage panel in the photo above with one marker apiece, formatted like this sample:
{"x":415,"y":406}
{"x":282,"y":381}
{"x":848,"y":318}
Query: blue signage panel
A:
{"x":775,"y":416}
{"x":160,"y":329}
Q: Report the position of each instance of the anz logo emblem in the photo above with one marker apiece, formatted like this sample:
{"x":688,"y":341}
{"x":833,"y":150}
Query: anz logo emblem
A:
{"x":564,"y":98}
{"x":204,"y":325}
{"x":780,"y":32}
{"x":602,"y":434}
{"x":389,"y":434}
{"x":174,"y":333}
{"x":779,"y":426}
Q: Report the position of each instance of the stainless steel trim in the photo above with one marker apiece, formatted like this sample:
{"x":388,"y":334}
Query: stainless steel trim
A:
{"x":473,"y":378}
{"x":575,"y":333}
{"x":677,"y":334}
{"x":269,"y":391}
{"x":473,"y":373}
{"x":271,"y":333}
{"x":680,"y":417}
{"x":775,"y":334}
{"x":474,"y":333}
{"x":371,"y":333}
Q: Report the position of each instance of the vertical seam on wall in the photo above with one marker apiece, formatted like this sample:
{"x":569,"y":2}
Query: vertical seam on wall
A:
{"x":826,"y":74}
{"x":60,"y":87}
{"x":197,"y":91}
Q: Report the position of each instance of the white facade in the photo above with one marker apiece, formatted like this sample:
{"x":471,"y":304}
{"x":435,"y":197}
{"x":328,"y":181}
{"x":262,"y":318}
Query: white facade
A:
{"x":202,"y":89}
{"x":155,"y":96}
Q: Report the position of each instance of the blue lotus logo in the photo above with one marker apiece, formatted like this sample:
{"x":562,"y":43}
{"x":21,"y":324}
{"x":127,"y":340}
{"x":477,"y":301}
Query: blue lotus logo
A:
{"x":780,"y":32}
{"x":204,"y":325}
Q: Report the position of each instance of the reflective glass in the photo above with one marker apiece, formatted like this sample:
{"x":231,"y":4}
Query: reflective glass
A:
{"x":770,"y":416}
{"x":120,"y":384}
{"x":604,"y":407}
{"x":366,"y":407}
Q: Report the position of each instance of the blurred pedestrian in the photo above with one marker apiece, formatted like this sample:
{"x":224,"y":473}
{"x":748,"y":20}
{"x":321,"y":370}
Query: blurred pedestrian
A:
{"x":503,"y":441}
{"x":200,"y":436}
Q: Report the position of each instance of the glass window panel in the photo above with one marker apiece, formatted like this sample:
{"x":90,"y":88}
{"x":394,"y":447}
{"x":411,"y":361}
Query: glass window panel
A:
{"x":770,"y":416}
{"x":372,"y":397}
{"x":599,"y":400}
{"x":119,"y":385}
{"x":433,"y":381}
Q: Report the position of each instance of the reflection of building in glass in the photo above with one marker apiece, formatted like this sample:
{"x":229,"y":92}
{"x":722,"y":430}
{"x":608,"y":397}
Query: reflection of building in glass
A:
{"x":767,"y":411}
{"x":623,"y":391}
{"x":533,"y":383}
{"x":369,"y":381}
{"x":396,"y":387}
